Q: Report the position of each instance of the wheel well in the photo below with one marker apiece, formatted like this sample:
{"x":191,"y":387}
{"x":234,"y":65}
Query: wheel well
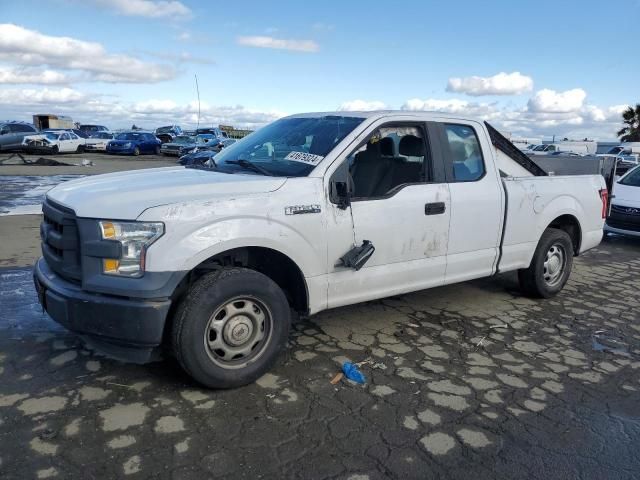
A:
{"x":569,"y":224}
{"x":275,"y":265}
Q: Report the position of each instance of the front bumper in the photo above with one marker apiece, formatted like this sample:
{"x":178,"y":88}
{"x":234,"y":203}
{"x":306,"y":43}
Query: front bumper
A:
{"x":123,"y":151}
{"x":126,"y":328}
{"x":95,"y":148}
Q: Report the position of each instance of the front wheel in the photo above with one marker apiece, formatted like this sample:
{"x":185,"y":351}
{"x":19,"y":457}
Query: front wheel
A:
{"x":550,"y":267}
{"x":136,"y":151}
{"x":230,"y":327}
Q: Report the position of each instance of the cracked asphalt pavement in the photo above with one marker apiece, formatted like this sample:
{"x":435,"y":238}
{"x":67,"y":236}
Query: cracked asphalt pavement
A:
{"x":468,"y":379}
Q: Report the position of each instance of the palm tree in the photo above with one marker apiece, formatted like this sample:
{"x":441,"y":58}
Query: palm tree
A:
{"x":631,"y":132}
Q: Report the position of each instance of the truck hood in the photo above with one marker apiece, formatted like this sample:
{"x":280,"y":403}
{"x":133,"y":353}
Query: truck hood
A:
{"x":125,"y":195}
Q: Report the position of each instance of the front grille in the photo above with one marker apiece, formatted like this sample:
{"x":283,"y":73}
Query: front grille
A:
{"x":60,"y":241}
{"x":632,"y":211}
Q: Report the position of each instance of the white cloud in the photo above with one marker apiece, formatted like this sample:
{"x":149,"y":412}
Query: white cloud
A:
{"x":550,"y":101}
{"x":29,"y":47}
{"x":361,"y":106}
{"x":586,"y":121}
{"x":148,"y":8}
{"x":32,"y":75}
{"x":278,"y":43}
{"x":183,"y":37}
{"x":20,"y":104}
{"x":40,"y":96}
{"x":500,"y":84}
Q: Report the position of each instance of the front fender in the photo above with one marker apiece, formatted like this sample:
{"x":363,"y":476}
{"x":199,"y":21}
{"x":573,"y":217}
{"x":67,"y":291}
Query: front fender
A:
{"x":182,"y":250}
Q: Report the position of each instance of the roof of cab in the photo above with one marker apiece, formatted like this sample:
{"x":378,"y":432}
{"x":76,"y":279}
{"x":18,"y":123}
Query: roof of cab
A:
{"x":385,"y":113}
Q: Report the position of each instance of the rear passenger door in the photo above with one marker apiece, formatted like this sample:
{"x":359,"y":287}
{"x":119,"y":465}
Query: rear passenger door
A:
{"x":476,"y":201}
{"x":400,"y":203}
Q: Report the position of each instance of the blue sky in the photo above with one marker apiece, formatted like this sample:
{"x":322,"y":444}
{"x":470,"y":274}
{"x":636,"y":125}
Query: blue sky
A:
{"x":532,"y":68}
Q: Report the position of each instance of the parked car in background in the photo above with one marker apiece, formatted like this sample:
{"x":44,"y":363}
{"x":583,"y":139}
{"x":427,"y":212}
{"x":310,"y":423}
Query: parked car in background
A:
{"x":584,"y":147}
{"x":54,"y":141}
{"x":215,"y":131}
{"x":134,"y":143}
{"x":91,"y":129}
{"x":180,"y":145}
{"x":200,"y":157}
{"x":168,"y":133}
{"x":624,"y":215}
{"x":12,"y":134}
{"x":98,"y":141}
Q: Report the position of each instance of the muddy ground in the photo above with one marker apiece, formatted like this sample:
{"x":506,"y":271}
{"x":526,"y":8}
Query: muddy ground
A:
{"x":464,"y":380}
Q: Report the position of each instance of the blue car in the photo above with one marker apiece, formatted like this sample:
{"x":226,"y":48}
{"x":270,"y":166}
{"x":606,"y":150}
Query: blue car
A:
{"x":134,"y":143}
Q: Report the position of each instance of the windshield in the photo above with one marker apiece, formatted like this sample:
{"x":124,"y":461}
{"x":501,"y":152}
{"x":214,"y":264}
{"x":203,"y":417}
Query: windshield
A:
{"x":540,"y":148}
{"x":290,"y":147}
{"x":614,"y":150}
{"x":165,"y":129}
{"x":52,"y":136}
{"x":632,"y":179}
{"x":204,"y":139}
{"x":129,"y":136}
{"x":101,"y":135}
{"x":183,"y":139}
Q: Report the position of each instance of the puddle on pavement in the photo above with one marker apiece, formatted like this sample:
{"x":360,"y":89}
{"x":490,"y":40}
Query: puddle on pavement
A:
{"x":603,"y":341}
{"x":23,"y":194}
{"x":20,"y":311}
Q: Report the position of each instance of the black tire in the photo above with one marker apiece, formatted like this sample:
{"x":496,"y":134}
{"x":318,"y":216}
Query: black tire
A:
{"x":136,"y":151}
{"x":55,"y":150}
{"x":80,"y":149}
{"x":157,"y":150}
{"x":550,"y":267}
{"x":212,"y":299}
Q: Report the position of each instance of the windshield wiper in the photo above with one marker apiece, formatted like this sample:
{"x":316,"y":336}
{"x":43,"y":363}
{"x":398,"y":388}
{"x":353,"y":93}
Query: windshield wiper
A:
{"x":248,"y":165}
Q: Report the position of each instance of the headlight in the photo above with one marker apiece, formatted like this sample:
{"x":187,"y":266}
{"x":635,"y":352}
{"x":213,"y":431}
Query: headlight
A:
{"x":135,"y":238}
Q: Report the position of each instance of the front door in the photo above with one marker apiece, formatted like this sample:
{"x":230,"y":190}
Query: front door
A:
{"x":402,"y":207}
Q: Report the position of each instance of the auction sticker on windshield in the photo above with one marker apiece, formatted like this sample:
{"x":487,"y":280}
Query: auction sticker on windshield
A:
{"x":308,"y":158}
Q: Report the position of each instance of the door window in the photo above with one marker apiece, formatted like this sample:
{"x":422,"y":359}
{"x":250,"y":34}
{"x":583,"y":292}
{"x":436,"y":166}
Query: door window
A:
{"x":392,"y":157}
{"x":465,"y":151}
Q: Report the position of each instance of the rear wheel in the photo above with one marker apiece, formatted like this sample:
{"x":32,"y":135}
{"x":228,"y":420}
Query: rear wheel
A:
{"x":80,"y":149}
{"x":55,"y":150}
{"x":157,"y":150}
{"x":230,"y":328}
{"x":136,"y":151}
{"x":550,"y":267}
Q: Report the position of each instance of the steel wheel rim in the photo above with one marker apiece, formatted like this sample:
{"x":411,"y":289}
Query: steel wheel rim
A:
{"x":238,"y":332}
{"x":554,"y":265}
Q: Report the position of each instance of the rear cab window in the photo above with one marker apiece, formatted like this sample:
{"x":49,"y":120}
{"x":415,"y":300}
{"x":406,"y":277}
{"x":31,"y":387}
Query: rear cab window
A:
{"x":465,"y":153}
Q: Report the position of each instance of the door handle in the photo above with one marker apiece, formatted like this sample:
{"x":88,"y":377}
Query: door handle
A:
{"x":437,"y":208}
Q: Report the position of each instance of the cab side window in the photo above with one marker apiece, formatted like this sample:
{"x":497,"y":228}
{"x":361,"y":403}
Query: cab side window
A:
{"x":465,"y":151}
{"x":393,"y":156}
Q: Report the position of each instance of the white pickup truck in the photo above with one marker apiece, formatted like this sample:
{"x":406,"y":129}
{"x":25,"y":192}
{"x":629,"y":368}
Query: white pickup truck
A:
{"x":311,"y":212}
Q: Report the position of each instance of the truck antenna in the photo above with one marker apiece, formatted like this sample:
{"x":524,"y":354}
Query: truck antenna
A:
{"x":198,"y":92}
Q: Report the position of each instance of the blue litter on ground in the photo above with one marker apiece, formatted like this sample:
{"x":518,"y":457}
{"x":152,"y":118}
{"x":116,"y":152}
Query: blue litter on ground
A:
{"x":352,"y":372}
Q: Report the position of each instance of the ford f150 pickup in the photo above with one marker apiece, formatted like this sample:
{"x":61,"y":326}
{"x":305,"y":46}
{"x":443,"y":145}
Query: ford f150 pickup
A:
{"x":311,"y":212}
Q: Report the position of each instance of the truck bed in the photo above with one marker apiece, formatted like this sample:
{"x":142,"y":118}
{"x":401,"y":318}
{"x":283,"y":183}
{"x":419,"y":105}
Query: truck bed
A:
{"x":540,"y":200}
